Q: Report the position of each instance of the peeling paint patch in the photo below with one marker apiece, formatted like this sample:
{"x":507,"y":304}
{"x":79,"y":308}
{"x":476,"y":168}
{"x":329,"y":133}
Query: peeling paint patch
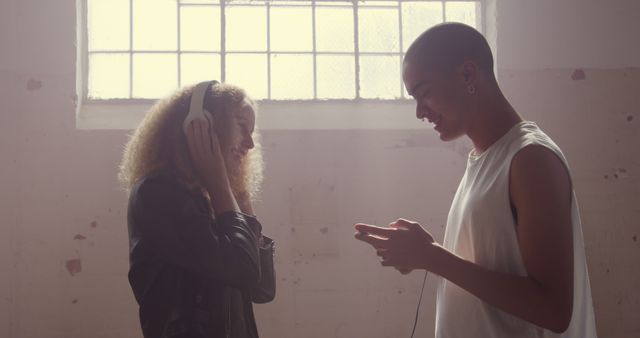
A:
{"x":324,"y":230}
{"x":33,"y":85}
{"x":578,"y":75}
{"x":79,"y":237}
{"x":74,"y":266}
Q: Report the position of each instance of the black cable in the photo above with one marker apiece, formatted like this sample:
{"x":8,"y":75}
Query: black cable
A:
{"x":415,"y":323}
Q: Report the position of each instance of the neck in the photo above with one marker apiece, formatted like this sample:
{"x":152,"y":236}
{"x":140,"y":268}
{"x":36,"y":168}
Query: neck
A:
{"x":494,"y":118}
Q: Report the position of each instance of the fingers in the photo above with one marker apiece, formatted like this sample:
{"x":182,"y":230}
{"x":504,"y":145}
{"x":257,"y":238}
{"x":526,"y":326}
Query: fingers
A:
{"x":190,"y":133}
{"x":375,"y":230}
{"x":376,"y":242}
{"x":198,"y":136}
{"x":209,"y":129}
{"x":402,"y":223}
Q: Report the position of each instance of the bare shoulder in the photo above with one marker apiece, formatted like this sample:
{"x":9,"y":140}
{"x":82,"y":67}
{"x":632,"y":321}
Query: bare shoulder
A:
{"x":536,"y":168}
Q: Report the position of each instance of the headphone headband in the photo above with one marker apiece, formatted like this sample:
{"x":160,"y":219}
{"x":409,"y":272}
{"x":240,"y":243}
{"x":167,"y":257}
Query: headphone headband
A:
{"x":196,"y":106}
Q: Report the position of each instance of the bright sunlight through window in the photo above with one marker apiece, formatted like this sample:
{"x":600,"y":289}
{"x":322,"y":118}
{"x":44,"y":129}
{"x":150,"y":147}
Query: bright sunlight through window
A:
{"x":277,"y":50}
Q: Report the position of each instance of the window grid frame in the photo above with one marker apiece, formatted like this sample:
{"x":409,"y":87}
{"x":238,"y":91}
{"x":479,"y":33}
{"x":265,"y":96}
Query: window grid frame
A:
{"x":223,"y":4}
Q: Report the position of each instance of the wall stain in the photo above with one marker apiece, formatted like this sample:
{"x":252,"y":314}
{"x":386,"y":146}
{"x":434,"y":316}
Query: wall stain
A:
{"x":33,"y":85}
{"x":578,"y":75}
{"x":94,"y":224}
{"x":629,"y":118}
{"x":324,"y":230}
{"x":74,"y":266}
{"x":635,"y":238}
{"x":74,"y":301}
{"x":79,"y":237}
{"x":618,"y":173}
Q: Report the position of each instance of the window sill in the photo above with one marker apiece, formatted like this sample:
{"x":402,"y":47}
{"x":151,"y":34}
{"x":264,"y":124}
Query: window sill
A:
{"x":272,"y":115}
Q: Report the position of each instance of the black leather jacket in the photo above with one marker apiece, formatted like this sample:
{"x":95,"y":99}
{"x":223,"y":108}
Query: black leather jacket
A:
{"x":194,"y":275}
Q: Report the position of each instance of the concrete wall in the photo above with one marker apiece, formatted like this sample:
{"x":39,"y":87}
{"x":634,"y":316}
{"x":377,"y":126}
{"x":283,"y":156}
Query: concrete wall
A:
{"x":63,"y":241}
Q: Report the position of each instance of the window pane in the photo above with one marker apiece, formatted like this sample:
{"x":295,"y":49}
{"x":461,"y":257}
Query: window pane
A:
{"x":334,"y":29}
{"x":248,"y":71}
{"x":379,"y":77}
{"x":336,"y":76}
{"x":378,"y":3}
{"x":199,"y":1}
{"x":155,"y":25}
{"x":108,"y":24}
{"x":378,"y":29}
{"x":344,"y":3}
{"x":246,"y":28}
{"x":290,"y":3}
{"x":108,"y":76}
{"x":291,"y":76}
{"x":464,"y":12}
{"x":195,"y":68}
{"x":246,"y":2}
{"x":417,"y":17}
{"x":200,"y":28}
{"x":154,"y":75}
{"x":291,"y":29}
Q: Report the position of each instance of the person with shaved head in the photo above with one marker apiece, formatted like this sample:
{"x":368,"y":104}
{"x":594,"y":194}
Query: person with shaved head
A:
{"x":512,"y":263}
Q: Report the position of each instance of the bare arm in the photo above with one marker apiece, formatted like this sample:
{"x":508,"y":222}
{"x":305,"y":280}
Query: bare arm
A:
{"x":541,"y":193}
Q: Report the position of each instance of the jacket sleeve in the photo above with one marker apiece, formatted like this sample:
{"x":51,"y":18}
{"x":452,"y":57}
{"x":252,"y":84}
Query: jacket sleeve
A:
{"x":179,"y":232}
{"x":265,"y":291}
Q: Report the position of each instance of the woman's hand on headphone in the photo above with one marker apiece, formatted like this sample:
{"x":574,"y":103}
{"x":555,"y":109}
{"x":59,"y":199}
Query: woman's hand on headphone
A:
{"x":206,"y":156}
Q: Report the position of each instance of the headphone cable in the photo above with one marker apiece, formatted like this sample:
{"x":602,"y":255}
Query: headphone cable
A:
{"x":415,"y":323}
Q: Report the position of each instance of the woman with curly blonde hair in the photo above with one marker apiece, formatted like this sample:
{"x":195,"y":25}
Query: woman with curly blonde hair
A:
{"x":198,"y":259}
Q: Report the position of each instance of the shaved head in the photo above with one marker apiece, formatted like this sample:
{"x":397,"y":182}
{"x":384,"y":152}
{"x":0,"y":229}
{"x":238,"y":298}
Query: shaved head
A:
{"x":444,"y":47}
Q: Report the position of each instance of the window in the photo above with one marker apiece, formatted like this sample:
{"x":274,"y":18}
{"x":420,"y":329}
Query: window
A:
{"x":136,"y":50}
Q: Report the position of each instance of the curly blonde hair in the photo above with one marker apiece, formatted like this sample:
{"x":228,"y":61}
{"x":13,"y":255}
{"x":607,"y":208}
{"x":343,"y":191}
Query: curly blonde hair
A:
{"x":159,"y":145}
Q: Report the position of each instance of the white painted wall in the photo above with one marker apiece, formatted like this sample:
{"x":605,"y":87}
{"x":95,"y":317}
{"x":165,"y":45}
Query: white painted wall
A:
{"x":544,"y":34}
{"x":58,"y":182}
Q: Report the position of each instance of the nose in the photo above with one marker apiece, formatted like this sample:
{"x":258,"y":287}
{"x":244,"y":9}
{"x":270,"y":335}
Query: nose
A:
{"x":248,"y":142}
{"x":422,"y":111}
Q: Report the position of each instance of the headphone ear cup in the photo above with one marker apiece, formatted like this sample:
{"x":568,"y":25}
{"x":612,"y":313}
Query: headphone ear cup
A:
{"x":209,"y":117}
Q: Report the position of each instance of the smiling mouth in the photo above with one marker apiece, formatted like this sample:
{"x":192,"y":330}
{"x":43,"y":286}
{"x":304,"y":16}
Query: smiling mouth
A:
{"x":435,"y":120}
{"x":239,"y":153}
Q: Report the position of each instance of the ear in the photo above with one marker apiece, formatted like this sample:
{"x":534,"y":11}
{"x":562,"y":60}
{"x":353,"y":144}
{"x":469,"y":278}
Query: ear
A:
{"x":469,"y":72}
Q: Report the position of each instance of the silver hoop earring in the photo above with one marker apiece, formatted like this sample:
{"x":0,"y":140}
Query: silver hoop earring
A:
{"x":471,"y":89}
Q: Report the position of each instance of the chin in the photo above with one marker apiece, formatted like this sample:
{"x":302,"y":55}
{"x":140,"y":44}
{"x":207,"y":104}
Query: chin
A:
{"x":448,"y":136}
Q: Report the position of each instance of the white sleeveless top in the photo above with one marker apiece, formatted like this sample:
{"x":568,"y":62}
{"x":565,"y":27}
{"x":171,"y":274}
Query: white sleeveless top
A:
{"x":481,"y":229}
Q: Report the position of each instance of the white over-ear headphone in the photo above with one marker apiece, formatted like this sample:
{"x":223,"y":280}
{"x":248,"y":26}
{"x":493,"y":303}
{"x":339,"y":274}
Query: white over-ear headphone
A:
{"x":196,"y":107}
